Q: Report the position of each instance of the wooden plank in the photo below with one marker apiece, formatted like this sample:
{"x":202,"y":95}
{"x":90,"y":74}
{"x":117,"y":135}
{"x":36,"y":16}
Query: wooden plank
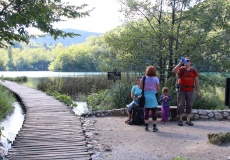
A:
{"x":47,"y":138}
{"x":49,"y":153}
{"x":80,"y":151}
{"x":79,"y":147}
{"x":47,"y":135}
{"x":19,"y":144}
{"x":28,"y":130}
{"x":48,"y":129}
{"x":50,"y":157}
{"x":42,"y":158}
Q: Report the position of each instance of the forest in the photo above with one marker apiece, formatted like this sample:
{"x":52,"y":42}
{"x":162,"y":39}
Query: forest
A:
{"x":152,"y":35}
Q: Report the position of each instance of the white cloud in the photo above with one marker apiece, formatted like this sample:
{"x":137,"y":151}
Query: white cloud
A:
{"x":103,"y":18}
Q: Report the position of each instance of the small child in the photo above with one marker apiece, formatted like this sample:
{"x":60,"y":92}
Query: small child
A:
{"x":165,"y":99}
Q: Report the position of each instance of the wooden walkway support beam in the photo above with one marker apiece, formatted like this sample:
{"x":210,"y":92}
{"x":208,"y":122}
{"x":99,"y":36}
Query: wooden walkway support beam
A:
{"x":50,"y":130}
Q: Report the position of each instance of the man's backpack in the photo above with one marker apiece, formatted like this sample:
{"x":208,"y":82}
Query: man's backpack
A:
{"x":181,"y":74}
{"x":185,"y":70}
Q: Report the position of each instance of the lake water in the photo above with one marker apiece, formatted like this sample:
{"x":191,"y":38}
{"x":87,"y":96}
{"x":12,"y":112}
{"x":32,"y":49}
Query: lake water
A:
{"x":46,"y":74}
{"x":12,"y":125}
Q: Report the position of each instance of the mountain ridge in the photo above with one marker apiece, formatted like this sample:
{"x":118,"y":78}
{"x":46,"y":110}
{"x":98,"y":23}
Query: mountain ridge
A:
{"x":66,"y":41}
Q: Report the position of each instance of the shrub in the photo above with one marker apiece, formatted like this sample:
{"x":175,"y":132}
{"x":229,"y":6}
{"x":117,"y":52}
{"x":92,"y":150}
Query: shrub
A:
{"x":219,"y":138}
{"x":63,"y":98}
{"x":118,"y":96}
{"x":208,"y":102}
{"x":99,"y":101}
{"x":16,"y":79}
{"x":6,"y":101}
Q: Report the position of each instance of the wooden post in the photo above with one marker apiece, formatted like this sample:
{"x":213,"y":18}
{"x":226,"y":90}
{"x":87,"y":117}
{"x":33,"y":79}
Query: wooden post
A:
{"x":227,"y":92}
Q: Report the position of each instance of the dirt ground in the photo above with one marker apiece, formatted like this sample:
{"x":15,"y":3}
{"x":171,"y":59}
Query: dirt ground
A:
{"x":131,"y":142}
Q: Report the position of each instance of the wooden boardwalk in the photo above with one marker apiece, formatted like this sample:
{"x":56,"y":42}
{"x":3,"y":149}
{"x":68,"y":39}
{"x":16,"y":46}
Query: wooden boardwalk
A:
{"x":50,"y":130}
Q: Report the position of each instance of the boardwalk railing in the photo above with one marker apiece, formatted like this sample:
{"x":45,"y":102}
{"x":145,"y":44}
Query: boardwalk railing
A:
{"x":50,"y":130}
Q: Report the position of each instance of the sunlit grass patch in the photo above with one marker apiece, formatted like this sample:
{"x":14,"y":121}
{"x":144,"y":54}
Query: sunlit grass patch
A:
{"x":180,"y":158}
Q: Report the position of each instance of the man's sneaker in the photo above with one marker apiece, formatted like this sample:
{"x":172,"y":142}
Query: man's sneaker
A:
{"x":155,"y":129}
{"x":180,"y":123}
{"x":189,"y":123}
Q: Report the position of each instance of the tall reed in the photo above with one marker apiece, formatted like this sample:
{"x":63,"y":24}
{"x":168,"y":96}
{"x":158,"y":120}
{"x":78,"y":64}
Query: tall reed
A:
{"x":75,"y":86}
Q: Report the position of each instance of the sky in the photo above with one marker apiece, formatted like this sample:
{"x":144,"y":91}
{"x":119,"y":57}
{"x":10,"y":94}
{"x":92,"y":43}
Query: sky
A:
{"x":103,"y":18}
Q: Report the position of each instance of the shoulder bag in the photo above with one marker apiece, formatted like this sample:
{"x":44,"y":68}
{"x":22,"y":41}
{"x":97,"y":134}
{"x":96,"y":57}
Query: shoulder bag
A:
{"x":141,"y":97}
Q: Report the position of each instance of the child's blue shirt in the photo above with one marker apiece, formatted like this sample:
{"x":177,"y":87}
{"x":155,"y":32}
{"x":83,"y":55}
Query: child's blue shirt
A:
{"x":165,"y":102}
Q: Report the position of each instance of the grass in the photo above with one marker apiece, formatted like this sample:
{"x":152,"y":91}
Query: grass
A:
{"x":6,"y":101}
{"x":180,"y":158}
{"x":15,"y":79}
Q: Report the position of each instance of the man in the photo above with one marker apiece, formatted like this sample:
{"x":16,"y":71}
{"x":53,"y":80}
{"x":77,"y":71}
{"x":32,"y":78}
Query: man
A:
{"x":187,"y":77}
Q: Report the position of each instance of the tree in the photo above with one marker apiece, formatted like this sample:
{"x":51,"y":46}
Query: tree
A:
{"x":125,"y":46}
{"x":75,"y":58}
{"x":168,"y":29}
{"x":17,"y":15}
{"x":9,"y":62}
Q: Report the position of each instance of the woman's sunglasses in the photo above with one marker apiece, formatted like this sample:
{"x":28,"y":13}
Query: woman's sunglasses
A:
{"x":188,"y":60}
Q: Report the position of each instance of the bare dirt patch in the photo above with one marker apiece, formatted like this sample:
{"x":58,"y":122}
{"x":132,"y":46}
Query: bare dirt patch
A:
{"x":131,"y":142}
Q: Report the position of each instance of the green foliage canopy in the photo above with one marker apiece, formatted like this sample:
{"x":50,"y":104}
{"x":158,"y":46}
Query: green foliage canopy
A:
{"x":160,"y":33}
{"x":16,"y":16}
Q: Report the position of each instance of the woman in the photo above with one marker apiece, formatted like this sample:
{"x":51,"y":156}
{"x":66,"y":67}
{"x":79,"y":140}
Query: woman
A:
{"x":152,"y":86}
{"x":135,"y":92}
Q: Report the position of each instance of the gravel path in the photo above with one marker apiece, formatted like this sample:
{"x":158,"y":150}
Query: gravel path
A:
{"x":115,"y":140}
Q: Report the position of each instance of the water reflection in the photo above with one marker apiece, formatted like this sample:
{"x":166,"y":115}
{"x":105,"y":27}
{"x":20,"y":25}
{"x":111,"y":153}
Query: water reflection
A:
{"x":32,"y":82}
{"x":12,"y":124}
{"x":46,"y":74}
